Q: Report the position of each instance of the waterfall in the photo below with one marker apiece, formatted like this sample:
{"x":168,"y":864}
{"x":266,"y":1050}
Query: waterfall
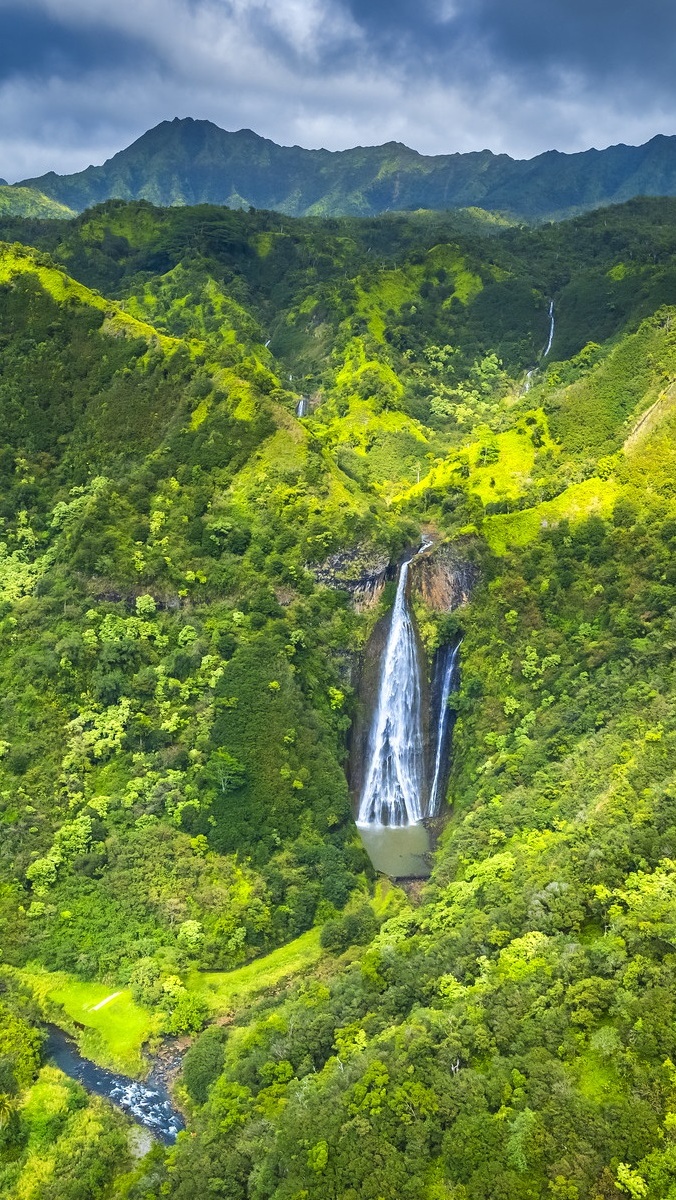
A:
{"x":303,"y":407}
{"x":551,"y":329}
{"x":394,"y":781}
{"x":447,"y":681}
{"x":528,"y":381}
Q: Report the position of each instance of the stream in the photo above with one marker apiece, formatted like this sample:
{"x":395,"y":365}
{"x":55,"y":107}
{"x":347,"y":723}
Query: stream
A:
{"x":149,"y":1103}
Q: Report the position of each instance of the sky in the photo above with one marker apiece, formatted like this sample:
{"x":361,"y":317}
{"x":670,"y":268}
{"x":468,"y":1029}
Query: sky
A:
{"x":81,"y":79}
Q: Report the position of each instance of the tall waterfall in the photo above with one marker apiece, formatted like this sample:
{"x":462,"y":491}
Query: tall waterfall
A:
{"x":303,"y":407}
{"x":395,"y":775}
{"x":442,"y":728}
{"x":551,"y":329}
{"x":530,"y":375}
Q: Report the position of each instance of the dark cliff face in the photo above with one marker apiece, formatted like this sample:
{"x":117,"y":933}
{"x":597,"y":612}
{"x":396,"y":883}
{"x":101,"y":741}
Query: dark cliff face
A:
{"x":362,"y":572}
{"x":443,"y":578}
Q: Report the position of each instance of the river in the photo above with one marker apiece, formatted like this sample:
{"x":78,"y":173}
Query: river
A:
{"x":149,"y":1103}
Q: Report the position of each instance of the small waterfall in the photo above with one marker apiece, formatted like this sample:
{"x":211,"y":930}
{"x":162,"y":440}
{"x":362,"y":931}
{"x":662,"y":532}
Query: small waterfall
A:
{"x":303,"y":407}
{"x":551,"y":329}
{"x":443,"y":728}
{"x":530,"y":375}
{"x":395,"y":776}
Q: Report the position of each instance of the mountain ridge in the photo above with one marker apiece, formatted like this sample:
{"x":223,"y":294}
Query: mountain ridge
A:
{"x":188,"y":161}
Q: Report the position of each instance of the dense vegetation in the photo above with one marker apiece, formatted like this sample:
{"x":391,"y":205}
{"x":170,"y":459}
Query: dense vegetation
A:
{"x":27,"y":202}
{"x":196,"y":162}
{"x":179,"y":660}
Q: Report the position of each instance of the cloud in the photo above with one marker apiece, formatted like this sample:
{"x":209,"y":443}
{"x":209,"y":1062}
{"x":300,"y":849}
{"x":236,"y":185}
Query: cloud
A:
{"x":80,"y":79}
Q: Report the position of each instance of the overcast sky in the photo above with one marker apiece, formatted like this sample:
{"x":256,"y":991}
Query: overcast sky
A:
{"x":81,"y":79}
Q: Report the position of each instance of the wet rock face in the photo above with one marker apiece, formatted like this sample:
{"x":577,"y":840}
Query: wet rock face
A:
{"x":361,"y":572}
{"x":443,"y":579}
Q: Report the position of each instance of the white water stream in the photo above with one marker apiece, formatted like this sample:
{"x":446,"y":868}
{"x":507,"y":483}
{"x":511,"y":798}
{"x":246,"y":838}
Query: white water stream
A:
{"x":394,"y":783}
{"x":551,"y":329}
{"x":528,"y":381}
{"x":442,"y":728}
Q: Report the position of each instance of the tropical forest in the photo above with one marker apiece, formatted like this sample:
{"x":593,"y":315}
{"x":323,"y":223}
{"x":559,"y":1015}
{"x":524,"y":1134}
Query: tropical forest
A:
{"x":337,"y":703}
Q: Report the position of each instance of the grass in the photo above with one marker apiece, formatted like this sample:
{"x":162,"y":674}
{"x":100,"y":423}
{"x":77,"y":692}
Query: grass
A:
{"x":505,"y":479}
{"x":579,"y":500}
{"x":113,"y":1035}
{"x":63,"y":289}
{"x":509,"y":476}
{"x":392,"y":290}
{"x":597,"y":1079}
{"x":226,"y":991}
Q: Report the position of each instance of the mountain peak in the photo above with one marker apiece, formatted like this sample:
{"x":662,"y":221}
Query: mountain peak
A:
{"x":188,"y":160}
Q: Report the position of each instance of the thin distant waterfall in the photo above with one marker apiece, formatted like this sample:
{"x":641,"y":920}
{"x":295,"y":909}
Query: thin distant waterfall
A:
{"x":530,"y":375}
{"x":395,"y":776}
{"x":442,"y":729}
{"x":551,"y":329}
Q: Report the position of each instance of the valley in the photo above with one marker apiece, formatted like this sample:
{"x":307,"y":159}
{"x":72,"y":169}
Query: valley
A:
{"x":226,"y":436}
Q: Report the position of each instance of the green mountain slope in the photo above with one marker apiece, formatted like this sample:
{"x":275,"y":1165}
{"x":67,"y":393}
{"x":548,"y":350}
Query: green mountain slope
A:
{"x":28,"y":202}
{"x":179,"y":671}
{"x":195,"y":162}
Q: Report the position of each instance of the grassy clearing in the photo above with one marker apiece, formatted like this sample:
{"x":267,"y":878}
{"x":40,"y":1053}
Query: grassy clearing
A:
{"x":226,"y":991}
{"x":113,"y":1034}
{"x":506,"y":530}
{"x":598,"y":1079}
{"x":509,"y":476}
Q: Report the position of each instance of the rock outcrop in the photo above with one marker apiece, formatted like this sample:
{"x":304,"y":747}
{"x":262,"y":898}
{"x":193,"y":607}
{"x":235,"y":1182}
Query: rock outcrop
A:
{"x":361,"y":572}
{"x":443,"y":578}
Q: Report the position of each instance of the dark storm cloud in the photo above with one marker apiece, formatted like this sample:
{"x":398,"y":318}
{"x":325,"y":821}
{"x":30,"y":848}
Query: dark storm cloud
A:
{"x":81,"y":78}
{"x":35,"y":47}
{"x":597,"y":38}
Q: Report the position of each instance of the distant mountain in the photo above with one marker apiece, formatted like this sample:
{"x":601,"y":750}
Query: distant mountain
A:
{"x":195,"y":162}
{"x":28,"y":202}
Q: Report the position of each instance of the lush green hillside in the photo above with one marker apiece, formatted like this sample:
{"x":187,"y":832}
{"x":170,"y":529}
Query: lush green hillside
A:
{"x":195,"y":162}
{"x":28,"y":202}
{"x":178,"y":688}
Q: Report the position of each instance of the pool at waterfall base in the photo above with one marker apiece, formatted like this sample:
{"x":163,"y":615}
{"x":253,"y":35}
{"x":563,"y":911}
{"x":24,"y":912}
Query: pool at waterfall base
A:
{"x":400,"y":851}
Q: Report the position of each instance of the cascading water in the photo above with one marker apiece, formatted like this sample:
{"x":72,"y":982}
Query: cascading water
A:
{"x":303,"y":407}
{"x":551,"y":329}
{"x":530,"y":375}
{"x":395,"y":776}
{"x":443,"y":725}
